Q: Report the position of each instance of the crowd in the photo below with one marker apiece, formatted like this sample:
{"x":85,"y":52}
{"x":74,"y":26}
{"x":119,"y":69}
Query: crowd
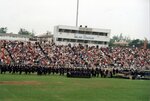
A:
{"x":66,"y":56}
{"x":25,"y":53}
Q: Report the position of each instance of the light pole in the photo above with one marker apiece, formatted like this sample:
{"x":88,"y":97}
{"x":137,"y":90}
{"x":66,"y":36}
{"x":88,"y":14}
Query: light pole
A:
{"x":77,"y":14}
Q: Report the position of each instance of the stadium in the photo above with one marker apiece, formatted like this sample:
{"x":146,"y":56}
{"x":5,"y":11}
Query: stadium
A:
{"x":21,"y":60}
{"x":73,"y":63}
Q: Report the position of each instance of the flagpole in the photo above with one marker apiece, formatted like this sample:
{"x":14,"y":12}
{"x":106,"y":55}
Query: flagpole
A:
{"x":77,"y":13}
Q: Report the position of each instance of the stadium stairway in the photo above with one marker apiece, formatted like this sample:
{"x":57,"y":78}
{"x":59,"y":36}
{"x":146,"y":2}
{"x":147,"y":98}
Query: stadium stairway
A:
{"x":44,"y":52}
{"x":13,"y":61}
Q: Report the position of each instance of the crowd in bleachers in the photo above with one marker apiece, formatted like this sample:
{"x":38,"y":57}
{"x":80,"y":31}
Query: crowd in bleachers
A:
{"x":49,"y":54}
{"x":26,"y":53}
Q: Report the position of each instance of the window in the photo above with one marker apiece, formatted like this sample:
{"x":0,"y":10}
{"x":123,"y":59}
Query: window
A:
{"x":59,"y":39}
{"x":74,"y":31}
{"x":102,"y":34}
{"x":100,"y":42}
{"x":93,"y":42}
{"x":87,"y":32}
{"x":66,"y":40}
{"x":105,"y":43}
{"x":105,"y":34}
{"x":67,"y":31}
{"x":95,"y":33}
{"x":80,"y":41}
{"x":72,"y":40}
{"x":81,"y":32}
{"x":86,"y":41}
{"x":61,"y":30}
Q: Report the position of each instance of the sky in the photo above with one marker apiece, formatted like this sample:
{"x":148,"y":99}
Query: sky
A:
{"x":129,"y":17}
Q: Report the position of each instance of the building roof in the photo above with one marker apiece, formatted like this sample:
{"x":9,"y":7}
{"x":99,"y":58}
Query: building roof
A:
{"x":45,"y":36}
{"x":121,"y":43}
{"x":14,"y":35}
{"x":84,"y":28}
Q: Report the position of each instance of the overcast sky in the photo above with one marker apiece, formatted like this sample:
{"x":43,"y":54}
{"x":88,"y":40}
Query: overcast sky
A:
{"x":130,"y":17}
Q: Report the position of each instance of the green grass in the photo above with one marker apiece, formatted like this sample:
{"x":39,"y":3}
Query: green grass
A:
{"x":61,"y":88}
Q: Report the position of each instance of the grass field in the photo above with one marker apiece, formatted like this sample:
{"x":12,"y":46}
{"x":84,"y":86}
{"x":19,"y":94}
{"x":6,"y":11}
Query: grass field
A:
{"x":61,"y":88}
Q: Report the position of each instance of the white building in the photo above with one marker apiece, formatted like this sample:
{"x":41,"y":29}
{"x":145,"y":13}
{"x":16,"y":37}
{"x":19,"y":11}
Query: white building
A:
{"x":46,"y":37}
{"x":64,"y":35}
{"x":13,"y":37}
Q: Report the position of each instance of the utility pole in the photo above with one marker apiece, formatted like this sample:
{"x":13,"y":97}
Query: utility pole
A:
{"x":77,"y":14}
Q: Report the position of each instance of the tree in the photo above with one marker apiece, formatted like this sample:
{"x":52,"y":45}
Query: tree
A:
{"x":24,"y":32}
{"x":117,"y":38}
{"x":113,"y":39}
{"x":3,"y":30}
{"x":136,"y":43}
{"x":149,"y":44}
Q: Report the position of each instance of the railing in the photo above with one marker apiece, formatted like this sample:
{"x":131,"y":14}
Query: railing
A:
{"x":44,"y":52}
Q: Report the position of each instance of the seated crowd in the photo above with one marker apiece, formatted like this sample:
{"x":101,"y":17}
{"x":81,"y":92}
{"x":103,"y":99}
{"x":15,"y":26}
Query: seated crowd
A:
{"x":67,"y":56}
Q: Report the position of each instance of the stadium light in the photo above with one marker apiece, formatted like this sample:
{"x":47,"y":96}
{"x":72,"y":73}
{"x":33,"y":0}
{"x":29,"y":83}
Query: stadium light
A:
{"x":77,"y":13}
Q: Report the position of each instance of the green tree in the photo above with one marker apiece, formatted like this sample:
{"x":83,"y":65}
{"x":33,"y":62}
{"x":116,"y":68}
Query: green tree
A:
{"x":24,"y":32}
{"x":136,"y":43}
{"x":117,"y":38}
{"x":149,"y":44}
{"x":3,"y":30}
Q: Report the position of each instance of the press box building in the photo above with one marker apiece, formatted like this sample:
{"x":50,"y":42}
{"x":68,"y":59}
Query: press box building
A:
{"x":64,"y":35}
